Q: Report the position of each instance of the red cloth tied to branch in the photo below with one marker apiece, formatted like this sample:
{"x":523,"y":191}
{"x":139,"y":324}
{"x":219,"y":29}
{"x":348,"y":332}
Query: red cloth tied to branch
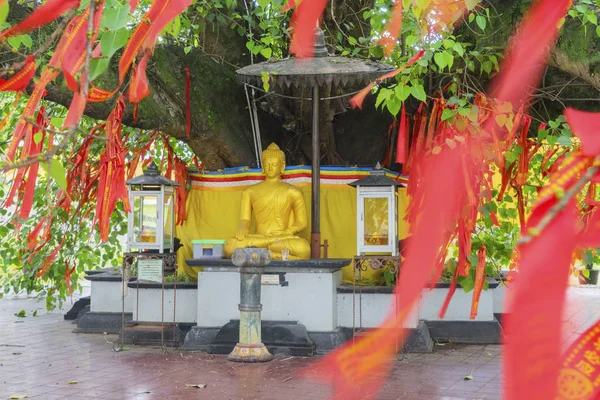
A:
{"x":21,"y":79}
{"x":26,"y":177}
{"x":357,"y":100}
{"x":43,"y":15}
{"x":402,"y":143}
{"x":479,"y":281}
{"x":29,"y":111}
{"x":111,"y":184}
{"x":357,"y":369}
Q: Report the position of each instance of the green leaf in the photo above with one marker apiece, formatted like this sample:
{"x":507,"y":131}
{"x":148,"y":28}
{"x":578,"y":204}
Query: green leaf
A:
{"x":265,"y":80}
{"x":458,"y":49}
{"x":175,"y":26}
{"x":440,"y":60}
{"x":447,"y":114}
{"x":3,"y":11}
{"x":471,"y":4}
{"x":266,"y":52}
{"x":97,"y":67}
{"x":14,"y":41}
{"x":384,"y":95}
{"x":402,"y":91}
{"x":481,"y":22}
{"x":26,"y":41}
{"x":448,"y":58}
{"x":37,"y":137}
{"x":511,"y":156}
{"x":411,"y":40}
{"x":112,"y":41}
{"x":466,"y":282}
{"x":418,"y":92}
{"x":564,"y":141}
{"x":115,"y":18}
{"x":394,"y":104}
{"x":585,"y":273}
{"x":21,"y":314}
{"x":57,"y":172}
{"x":468,"y":378}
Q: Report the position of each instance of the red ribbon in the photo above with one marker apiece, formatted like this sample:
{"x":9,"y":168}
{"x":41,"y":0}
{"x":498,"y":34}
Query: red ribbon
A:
{"x":43,"y":15}
{"x":21,"y":79}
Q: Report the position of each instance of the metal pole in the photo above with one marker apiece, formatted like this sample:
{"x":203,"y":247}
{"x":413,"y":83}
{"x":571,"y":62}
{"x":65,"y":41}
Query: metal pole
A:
{"x":250,"y":348}
{"x":315,"y":244}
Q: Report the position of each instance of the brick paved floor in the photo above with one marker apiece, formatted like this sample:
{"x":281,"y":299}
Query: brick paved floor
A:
{"x":41,"y":358}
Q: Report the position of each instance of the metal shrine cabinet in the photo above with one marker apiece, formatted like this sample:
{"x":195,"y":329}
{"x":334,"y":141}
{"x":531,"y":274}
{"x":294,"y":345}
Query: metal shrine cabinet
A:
{"x":376,"y":214}
{"x":151,"y":224}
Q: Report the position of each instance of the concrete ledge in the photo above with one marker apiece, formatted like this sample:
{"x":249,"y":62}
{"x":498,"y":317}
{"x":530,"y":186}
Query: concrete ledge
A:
{"x":100,"y":322}
{"x":298,"y":266}
{"x":79,"y":305}
{"x":419,"y":341}
{"x":158,"y":285}
{"x":468,"y":332}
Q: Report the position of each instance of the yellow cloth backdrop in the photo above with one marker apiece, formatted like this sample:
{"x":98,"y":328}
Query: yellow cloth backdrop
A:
{"x":214,"y":201}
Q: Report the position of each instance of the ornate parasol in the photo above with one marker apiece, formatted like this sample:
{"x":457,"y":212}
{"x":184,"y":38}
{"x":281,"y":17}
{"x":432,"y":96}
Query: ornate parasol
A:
{"x":320,"y":70}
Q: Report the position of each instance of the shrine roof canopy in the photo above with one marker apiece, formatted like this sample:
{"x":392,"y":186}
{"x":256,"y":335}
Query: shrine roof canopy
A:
{"x":321,"y":71}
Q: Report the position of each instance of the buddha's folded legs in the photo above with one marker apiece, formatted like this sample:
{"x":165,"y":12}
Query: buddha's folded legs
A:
{"x":298,"y":247}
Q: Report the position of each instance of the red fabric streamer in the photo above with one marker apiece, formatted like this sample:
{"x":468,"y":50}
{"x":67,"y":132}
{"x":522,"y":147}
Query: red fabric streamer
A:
{"x":138,"y":89}
{"x":532,"y":359}
{"x":188,"y":103}
{"x":358,"y":99}
{"x":523,"y":169}
{"x":43,"y":15}
{"x":579,"y":369}
{"x":393,"y":27}
{"x":133,"y":5}
{"x":111,"y":184}
{"x":451,"y":291}
{"x":479,"y":281}
{"x":30,"y":108}
{"x":74,"y":55}
{"x":402,"y":143}
{"x":529,"y":51}
{"x":21,"y":79}
{"x":357,"y":369}
{"x":306,"y":16}
{"x":47,"y":263}
{"x":586,"y":125}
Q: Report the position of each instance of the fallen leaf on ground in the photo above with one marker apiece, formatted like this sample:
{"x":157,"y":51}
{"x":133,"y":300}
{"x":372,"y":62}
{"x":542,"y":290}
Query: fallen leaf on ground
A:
{"x":72,"y":382}
{"x":199,"y":386}
{"x":468,"y":378}
{"x":17,"y":397}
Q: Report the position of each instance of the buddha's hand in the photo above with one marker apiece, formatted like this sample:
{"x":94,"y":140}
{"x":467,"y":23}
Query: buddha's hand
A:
{"x":283,"y":232}
{"x":241,"y":234}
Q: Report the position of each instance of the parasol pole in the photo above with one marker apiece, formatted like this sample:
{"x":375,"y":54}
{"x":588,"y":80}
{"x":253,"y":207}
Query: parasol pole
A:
{"x":315,"y":237}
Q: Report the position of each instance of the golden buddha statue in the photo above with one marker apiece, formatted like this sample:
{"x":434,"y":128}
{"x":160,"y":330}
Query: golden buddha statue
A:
{"x":279,"y":212}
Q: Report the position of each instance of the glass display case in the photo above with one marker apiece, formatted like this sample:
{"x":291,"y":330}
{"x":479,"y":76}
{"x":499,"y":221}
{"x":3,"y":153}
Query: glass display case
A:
{"x":151,"y":223}
{"x":376,"y":214}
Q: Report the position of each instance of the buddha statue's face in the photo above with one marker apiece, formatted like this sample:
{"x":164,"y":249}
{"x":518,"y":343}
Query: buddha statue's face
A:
{"x":273,"y":167}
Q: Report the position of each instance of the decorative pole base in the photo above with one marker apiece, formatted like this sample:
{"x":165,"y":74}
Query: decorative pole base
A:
{"x":250,"y":353}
